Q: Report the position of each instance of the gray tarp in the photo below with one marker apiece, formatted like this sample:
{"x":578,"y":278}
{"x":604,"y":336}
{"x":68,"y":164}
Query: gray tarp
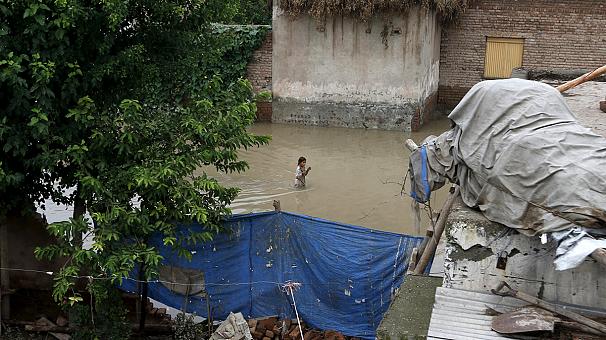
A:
{"x":520,"y":156}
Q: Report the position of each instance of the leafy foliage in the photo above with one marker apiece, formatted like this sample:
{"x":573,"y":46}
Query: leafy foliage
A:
{"x":186,"y":328}
{"x":237,"y":42}
{"x":129,"y":102}
{"x":253,"y":12}
{"x":105,"y":317}
{"x":365,"y":9}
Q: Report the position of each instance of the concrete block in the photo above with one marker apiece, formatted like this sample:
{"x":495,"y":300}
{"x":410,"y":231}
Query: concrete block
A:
{"x":480,"y":253}
{"x":410,"y":310}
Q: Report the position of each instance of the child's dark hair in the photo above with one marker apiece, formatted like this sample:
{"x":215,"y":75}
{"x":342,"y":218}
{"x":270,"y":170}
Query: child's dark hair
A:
{"x":301,"y":159}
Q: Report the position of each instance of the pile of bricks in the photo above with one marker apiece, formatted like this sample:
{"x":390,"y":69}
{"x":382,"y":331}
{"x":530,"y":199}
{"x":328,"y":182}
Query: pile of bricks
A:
{"x":154,"y":315}
{"x":271,"y":328}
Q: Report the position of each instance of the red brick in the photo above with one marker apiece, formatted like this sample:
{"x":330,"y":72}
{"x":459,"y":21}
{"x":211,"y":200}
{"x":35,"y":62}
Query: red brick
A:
{"x":559,"y":34}
{"x":258,"y":72}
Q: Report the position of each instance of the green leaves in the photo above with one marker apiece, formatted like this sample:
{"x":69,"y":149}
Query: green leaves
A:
{"x":31,"y":10}
{"x":127,"y":101}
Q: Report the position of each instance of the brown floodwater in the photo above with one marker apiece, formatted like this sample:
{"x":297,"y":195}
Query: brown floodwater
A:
{"x":356,"y":175}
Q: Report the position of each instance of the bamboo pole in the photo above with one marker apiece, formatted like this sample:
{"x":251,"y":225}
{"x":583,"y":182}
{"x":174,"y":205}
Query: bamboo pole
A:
{"x":432,"y":244}
{"x":428,"y":246}
{"x":586,"y":77}
{"x":411,"y":145}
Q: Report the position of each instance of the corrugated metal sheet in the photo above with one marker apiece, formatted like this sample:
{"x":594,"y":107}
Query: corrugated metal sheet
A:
{"x":462,"y":314}
{"x":502,"y":56}
{"x":459,"y":314}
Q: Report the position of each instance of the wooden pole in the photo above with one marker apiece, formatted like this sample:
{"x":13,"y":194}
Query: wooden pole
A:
{"x":79,"y":211}
{"x":416,"y":217}
{"x":276,"y":205}
{"x":412,"y":262}
{"x":209,"y":318}
{"x":428,"y":236}
{"x":586,"y":77}
{"x":143,"y":297}
{"x":432,"y":244}
{"x":411,"y":145}
{"x":4,"y":274}
{"x":548,"y":306}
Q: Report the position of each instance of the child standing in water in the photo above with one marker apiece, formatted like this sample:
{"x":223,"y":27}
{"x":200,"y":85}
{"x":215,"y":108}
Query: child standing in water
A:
{"x":301,"y":172}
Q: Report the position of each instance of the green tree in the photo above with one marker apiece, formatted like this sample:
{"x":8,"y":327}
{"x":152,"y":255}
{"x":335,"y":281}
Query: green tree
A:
{"x":128,"y":101}
{"x":255,"y":12}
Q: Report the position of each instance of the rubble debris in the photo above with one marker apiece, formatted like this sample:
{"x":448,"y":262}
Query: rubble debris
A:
{"x":508,"y":291}
{"x":62,"y":321}
{"x":524,"y":319}
{"x":45,"y":325}
{"x":234,"y":327}
{"x":286,"y":329}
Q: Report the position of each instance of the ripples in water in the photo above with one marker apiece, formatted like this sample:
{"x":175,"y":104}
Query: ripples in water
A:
{"x":356,"y":174}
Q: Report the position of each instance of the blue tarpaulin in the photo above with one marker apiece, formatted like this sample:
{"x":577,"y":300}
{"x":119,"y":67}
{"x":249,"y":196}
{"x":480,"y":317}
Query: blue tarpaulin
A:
{"x":347,"y":273}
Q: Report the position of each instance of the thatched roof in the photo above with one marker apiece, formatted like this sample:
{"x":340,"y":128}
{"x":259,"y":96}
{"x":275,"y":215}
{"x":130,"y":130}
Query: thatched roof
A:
{"x":364,"y":9}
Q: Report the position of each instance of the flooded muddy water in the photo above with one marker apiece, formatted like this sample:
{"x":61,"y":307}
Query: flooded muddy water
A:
{"x":356,"y":175}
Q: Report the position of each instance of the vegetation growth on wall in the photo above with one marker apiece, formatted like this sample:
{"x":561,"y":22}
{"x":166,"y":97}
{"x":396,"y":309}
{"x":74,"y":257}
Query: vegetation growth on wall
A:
{"x":363,"y":10}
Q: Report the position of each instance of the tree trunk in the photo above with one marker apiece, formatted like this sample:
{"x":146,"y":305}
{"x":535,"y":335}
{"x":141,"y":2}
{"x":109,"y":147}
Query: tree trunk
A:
{"x":79,"y":211}
{"x":143,"y":296}
{"x":4,"y":274}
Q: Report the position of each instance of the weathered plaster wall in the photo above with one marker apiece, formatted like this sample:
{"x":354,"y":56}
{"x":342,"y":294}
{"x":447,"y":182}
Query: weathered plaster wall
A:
{"x":346,"y":74}
{"x":473,"y":248}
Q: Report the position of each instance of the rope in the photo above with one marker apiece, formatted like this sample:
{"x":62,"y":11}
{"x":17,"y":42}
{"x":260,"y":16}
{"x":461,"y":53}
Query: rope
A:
{"x":89,"y":277}
{"x":294,"y":286}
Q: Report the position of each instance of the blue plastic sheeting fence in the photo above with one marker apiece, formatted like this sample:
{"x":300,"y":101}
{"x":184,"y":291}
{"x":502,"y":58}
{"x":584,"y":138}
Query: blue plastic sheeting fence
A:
{"x":347,"y":273}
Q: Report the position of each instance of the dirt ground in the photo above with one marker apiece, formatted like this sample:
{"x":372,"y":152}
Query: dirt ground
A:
{"x":584,"y":100}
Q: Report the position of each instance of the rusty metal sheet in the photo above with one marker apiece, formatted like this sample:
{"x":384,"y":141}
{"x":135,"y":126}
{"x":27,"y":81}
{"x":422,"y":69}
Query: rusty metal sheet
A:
{"x":525,"y":319}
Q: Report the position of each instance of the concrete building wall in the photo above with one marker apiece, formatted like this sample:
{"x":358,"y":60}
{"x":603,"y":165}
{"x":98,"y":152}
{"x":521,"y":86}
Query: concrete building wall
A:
{"x":380,"y":74}
{"x":22,"y":236}
{"x":258,"y":72}
{"x":479,"y":254}
{"x":559,"y":35}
